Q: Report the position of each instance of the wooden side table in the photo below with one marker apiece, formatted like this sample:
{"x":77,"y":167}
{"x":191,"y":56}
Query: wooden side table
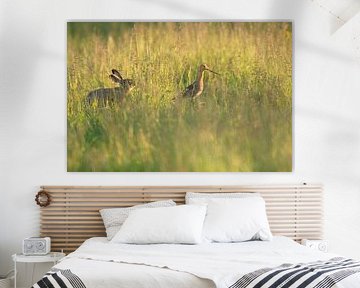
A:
{"x":53,"y":257}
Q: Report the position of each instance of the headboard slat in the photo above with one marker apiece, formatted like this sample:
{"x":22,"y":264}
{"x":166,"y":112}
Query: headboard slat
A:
{"x":73,"y":216}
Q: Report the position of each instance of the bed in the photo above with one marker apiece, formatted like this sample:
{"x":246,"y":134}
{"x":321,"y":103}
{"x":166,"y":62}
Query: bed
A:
{"x":293,"y":210}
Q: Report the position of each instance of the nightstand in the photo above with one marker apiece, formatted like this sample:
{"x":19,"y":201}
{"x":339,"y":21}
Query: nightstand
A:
{"x":320,"y":245}
{"x":53,"y":257}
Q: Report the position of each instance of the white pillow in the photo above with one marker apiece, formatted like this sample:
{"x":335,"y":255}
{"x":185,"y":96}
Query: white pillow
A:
{"x":180,"y":224}
{"x":199,"y":198}
{"x":113,"y":218}
{"x":236,"y":220}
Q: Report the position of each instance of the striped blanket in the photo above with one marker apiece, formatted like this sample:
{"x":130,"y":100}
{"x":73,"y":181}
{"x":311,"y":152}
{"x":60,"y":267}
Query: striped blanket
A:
{"x":57,"y":278}
{"x":319,"y":274}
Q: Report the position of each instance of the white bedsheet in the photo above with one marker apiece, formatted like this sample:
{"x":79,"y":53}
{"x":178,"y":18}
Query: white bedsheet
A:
{"x":100,"y":263}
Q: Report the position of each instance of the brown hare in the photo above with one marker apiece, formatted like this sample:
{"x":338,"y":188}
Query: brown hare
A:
{"x":106,"y":96}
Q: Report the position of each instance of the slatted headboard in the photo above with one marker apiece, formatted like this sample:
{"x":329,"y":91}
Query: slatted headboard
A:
{"x":73,"y":215}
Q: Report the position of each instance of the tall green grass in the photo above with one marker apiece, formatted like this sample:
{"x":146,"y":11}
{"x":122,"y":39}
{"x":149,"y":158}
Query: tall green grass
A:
{"x":244,"y":122}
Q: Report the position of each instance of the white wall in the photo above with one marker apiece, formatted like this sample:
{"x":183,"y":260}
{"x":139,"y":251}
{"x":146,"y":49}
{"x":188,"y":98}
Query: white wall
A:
{"x":33,"y":115}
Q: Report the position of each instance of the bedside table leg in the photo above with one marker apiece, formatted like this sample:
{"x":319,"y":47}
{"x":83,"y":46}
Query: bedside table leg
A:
{"x":32,"y":274}
{"x":15,"y":271}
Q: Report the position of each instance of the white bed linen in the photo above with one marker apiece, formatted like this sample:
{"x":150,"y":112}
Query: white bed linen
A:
{"x":100,"y":263}
{"x":100,"y":274}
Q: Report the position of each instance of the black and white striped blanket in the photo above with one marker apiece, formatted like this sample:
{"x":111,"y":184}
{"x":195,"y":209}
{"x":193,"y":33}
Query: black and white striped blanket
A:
{"x":319,"y":274}
{"x":57,"y":278}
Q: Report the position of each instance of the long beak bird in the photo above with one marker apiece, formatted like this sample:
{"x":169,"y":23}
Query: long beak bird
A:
{"x":195,"y":89}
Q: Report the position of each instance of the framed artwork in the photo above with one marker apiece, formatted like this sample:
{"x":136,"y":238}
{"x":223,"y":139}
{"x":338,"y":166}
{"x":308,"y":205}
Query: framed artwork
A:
{"x":179,"y":96}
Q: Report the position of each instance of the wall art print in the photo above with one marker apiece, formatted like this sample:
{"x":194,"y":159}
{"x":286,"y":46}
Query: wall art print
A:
{"x":179,"y":96}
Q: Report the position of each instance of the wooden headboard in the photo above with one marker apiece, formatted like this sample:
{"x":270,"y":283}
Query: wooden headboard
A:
{"x":73,"y":215}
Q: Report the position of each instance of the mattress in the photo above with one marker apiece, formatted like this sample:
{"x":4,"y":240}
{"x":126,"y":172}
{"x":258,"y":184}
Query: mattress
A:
{"x":99,"y":263}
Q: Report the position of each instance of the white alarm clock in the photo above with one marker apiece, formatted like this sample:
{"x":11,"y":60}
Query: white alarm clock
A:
{"x":320,"y":245}
{"x":36,"y":246}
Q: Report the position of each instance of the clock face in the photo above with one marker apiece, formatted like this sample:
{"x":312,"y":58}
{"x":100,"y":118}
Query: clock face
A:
{"x":40,"y":245}
{"x":322,"y":247}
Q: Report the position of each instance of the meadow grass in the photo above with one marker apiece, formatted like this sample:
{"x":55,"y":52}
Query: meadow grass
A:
{"x":243,"y":124}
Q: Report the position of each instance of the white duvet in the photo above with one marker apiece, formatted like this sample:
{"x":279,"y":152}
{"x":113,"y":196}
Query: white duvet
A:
{"x":100,"y":263}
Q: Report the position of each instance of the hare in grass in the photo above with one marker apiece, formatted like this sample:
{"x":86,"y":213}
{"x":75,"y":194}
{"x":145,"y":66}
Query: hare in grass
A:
{"x":105,"y":96}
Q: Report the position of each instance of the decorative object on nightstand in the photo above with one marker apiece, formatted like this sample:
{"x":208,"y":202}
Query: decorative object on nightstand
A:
{"x":36,"y":246}
{"x":320,"y":245}
{"x":53,"y":257}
